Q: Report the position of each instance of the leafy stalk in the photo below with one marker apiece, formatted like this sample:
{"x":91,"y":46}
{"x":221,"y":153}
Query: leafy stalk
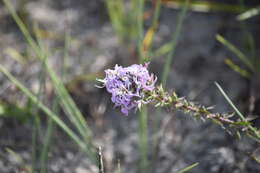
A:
{"x":164,"y":99}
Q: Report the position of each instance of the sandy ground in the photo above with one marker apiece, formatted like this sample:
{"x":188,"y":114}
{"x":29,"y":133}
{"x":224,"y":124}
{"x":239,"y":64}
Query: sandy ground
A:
{"x":197,"y":63}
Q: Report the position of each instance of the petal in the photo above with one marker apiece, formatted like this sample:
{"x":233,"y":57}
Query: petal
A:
{"x":124,"y":111}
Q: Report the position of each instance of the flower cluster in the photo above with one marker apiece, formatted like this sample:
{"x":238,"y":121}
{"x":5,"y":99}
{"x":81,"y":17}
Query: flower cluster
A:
{"x":133,"y":86}
{"x":128,"y":85}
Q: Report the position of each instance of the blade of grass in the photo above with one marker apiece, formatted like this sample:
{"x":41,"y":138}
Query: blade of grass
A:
{"x":146,"y":44}
{"x":66,"y":54}
{"x":236,"y":51}
{"x":237,"y":69}
{"x":188,"y":168}
{"x":50,"y":124}
{"x":156,"y":13}
{"x":46,"y":144}
{"x":50,"y":128}
{"x":133,"y":20}
{"x":241,"y":116}
{"x":249,"y":13}
{"x":142,"y":120}
{"x":15,"y":55}
{"x":41,"y":105}
{"x":249,"y":38}
{"x":175,"y":38}
{"x":46,"y":110}
{"x":36,"y":119}
{"x":20,"y":24}
{"x":15,"y":155}
{"x":140,"y":29}
{"x":166,"y":69}
{"x":150,"y":33}
{"x":116,"y":14}
{"x":143,"y":140}
{"x":35,"y":142}
{"x":206,"y":6}
{"x":70,"y":107}
{"x":66,"y":101}
{"x":230,"y":102}
{"x":166,"y":48}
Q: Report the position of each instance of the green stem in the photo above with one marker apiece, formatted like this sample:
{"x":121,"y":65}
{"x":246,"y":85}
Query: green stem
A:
{"x":154,"y":23}
{"x":251,"y":128}
{"x":164,"y":99}
{"x":45,"y":109}
{"x":167,"y":64}
{"x":143,"y":114}
{"x":143,"y":140}
{"x":44,"y":153}
{"x":140,"y":29}
{"x":65,"y":99}
{"x":35,"y":147}
{"x":174,"y":42}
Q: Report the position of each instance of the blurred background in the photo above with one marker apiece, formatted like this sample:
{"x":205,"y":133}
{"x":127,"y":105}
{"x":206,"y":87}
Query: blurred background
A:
{"x":57,"y":48}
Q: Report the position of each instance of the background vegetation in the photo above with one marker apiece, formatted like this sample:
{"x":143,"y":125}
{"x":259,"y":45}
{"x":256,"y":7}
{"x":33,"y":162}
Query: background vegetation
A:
{"x":54,"y":119}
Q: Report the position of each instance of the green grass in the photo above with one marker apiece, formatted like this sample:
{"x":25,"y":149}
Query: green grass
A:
{"x":236,"y":51}
{"x":64,"y":99}
{"x":173,"y":44}
{"x":188,"y":168}
{"x":240,"y":115}
{"x":142,"y":120}
{"x":116,"y":14}
{"x":44,"y":108}
{"x":166,"y":70}
{"x":137,"y":10}
{"x":249,"y":13}
{"x":208,"y":6}
{"x":37,"y":125}
{"x":128,"y":23}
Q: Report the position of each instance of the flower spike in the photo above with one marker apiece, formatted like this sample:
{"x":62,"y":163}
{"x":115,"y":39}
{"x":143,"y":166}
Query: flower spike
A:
{"x":129,"y":85}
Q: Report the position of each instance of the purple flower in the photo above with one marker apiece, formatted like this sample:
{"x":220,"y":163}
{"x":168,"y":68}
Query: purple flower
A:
{"x":128,"y":85}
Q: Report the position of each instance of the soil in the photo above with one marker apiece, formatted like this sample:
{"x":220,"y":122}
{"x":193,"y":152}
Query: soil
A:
{"x":197,"y":63}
